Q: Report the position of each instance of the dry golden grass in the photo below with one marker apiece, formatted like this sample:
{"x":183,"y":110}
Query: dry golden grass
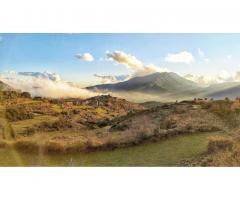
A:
{"x":223,"y":151}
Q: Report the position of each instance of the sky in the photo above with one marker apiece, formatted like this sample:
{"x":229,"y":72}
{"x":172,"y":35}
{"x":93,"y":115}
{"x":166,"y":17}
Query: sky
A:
{"x":77,"y":57}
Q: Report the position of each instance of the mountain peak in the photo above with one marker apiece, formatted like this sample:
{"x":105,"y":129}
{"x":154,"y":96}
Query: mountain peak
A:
{"x":159,"y":82}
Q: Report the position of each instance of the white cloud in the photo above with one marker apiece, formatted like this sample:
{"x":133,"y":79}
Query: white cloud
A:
{"x":221,"y":77}
{"x":85,"y":57}
{"x":40,"y":85}
{"x":131,"y":62}
{"x":206,"y":59}
{"x":229,"y":57}
{"x":201,"y":53}
{"x":181,"y":57}
{"x":127,"y":59}
{"x":201,"y":79}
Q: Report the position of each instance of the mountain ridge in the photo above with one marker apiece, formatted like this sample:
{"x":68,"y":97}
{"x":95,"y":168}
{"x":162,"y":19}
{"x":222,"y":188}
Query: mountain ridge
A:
{"x":161,"y":82}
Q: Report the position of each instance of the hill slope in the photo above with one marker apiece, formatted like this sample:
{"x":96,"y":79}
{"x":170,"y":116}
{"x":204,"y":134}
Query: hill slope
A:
{"x":231,"y":93}
{"x":165,"y":82}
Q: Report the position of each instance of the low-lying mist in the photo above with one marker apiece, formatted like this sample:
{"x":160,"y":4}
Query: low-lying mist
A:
{"x":140,"y":97}
{"x":39,"y":86}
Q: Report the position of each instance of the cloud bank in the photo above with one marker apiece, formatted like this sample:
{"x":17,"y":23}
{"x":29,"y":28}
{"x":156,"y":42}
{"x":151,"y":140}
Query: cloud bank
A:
{"x":222,"y":77}
{"x":181,"y":57}
{"x":131,"y":62}
{"x":45,"y":84}
{"x":202,"y":55}
{"x":85,"y":57}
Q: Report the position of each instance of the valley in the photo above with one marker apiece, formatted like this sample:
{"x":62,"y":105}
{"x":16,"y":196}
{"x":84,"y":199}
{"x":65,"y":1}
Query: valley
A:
{"x":104,"y":130}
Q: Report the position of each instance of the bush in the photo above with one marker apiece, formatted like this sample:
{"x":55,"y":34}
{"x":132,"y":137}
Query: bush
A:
{"x":119,"y":127}
{"x":28,"y":131}
{"x":168,"y":123}
{"x":64,"y":122}
{"x":10,"y":94}
{"x":53,"y":146}
{"x":27,"y":145}
{"x":63,"y":147}
{"x":2,"y":144}
{"x":25,"y":95}
{"x":18,"y":113}
{"x":216,"y":144}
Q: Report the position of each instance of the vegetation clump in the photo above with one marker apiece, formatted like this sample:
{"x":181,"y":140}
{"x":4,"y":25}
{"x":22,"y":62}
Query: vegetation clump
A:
{"x":62,"y":123}
{"x":218,"y":143}
{"x":18,"y":113}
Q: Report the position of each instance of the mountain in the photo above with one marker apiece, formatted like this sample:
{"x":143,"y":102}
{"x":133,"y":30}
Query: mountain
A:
{"x":221,"y":86}
{"x":231,"y":92}
{"x":4,"y":86}
{"x":161,"y":83}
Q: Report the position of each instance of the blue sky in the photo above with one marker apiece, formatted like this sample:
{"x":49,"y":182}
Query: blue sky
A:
{"x":210,"y":53}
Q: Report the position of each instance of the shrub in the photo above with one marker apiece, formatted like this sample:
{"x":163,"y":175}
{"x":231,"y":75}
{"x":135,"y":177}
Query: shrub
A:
{"x":168,"y":123}
{"x":25,"y":95}
{"x":2,"y":144}
{"x":27,"y":145}
{"x":18,"y":113}
{"x":28,"y":131}
{"x":119,"y":127}
{"x":54,"y":146}
{"x":218,"y":143}
{"x":103,"y":123}
{"x":10,"y":94}
{"x":64,"y":122}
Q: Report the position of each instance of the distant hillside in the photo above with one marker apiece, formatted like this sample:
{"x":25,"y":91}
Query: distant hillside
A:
{"x":160,"y":83}
{"x":221,"y":86}
{"x":231,"y":92}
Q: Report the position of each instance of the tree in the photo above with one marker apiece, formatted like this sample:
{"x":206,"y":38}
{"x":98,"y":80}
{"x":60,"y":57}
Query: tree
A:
{"x":227,"y":99}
